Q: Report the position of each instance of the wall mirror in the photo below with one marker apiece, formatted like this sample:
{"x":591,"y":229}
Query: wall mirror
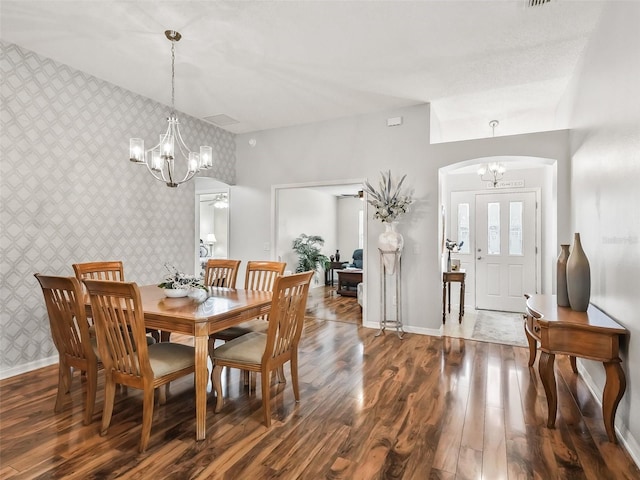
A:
{"x":212,"y":221}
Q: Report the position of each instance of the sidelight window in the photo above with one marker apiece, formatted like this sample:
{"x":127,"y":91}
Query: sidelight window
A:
{"x":515,"y":228}
{"x":493,"y":228}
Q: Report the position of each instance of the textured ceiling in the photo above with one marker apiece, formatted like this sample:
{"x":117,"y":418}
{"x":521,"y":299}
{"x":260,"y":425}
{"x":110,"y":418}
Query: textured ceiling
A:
{"x":272,"y":64}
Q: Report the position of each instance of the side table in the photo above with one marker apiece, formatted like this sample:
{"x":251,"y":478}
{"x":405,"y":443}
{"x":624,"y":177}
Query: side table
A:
{"x":328,"y":273}
{"x":447,"y":278}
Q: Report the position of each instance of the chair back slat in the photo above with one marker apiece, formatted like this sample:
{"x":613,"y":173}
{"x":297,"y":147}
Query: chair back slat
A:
{"x":221,"y":272}
{"x":113,"y":271}
{"x":261,"y":275}
{"x":117,"y":312}
{"x":286,"y":318}
{"x":67,"y":317}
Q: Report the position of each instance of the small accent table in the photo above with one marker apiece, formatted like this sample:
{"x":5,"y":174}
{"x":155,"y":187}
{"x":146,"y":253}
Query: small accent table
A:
{"x":591,"y":334}
{"x":348,"y":280}
{"x":447,"y":278}
{"x":328,"y":273}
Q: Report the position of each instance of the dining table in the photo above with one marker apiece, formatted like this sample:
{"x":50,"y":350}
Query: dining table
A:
{"x":215,"y":309}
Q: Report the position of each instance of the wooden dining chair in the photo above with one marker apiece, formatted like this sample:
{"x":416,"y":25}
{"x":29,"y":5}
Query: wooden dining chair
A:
{"x":260,"y":275}
{"x":70,"y":331}
{"x":110,"y":270}
{"x":220,"y":272}
{"x":127,"y":359}
{"x":264,"y":353}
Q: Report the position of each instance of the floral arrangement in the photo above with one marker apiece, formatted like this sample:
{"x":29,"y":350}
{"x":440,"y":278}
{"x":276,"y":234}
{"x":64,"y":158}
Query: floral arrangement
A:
{"x":453,"y":246}
{"x":389,"y":201}
{"x":178,"y":280}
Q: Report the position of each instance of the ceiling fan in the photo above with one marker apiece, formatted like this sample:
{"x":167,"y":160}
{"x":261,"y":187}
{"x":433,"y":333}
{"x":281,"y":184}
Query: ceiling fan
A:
{"x":358,"y":194}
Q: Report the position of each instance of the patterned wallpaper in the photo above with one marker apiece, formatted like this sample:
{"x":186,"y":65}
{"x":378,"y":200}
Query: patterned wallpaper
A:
{"x":68,"y":192}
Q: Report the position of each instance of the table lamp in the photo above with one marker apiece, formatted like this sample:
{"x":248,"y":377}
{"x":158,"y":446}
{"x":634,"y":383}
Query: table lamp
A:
{"x":211,"y":239}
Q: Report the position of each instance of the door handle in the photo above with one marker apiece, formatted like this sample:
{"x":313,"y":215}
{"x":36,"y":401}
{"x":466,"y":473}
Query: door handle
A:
{"x":479,"y":258}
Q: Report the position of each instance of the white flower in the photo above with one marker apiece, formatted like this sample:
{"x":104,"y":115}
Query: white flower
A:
{"x":179,"y":280}
{"x":389,"y":202}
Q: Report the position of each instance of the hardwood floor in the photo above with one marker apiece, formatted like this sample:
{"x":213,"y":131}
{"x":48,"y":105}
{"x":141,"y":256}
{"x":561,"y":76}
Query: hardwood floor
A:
{"x":384,"y":408}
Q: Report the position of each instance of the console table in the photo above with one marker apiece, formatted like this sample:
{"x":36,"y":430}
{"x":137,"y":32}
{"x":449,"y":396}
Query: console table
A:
{"x":591,"y":334}
{"x":447,"y":278}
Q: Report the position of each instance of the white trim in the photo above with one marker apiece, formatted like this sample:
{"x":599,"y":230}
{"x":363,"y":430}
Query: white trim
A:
{"x":28,"y":367}
{"x":626,"y":438}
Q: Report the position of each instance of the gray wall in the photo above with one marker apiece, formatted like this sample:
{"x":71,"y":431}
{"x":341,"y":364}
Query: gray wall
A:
{"x":361,"y":147}
{"x":302,"y":210}
{"x":605,"y":165}
{"x":68,"y":192}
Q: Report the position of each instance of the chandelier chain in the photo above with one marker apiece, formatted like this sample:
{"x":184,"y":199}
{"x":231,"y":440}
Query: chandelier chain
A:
{"x":173,"y":76}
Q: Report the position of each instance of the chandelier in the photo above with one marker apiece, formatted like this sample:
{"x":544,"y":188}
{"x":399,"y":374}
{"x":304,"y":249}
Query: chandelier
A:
{"x":494,"y":171}
{"x":161,"y":159}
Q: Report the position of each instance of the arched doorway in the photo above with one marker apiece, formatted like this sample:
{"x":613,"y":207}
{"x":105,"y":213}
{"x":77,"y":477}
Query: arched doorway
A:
{"x":509,"y":229}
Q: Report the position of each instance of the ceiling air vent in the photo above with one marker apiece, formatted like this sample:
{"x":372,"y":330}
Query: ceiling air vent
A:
{"x":536,"y":3}
{"x":221,"y":120}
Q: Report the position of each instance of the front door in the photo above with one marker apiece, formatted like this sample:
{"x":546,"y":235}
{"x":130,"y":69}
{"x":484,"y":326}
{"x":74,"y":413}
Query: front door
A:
{"x":505,"y":250}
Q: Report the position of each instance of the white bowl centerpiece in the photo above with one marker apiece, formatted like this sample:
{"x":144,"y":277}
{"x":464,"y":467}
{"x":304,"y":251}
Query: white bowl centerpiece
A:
{"x":178,"y":284}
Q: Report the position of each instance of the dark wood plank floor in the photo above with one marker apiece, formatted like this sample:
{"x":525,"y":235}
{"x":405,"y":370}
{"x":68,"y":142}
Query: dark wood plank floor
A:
{"x":371,"y":408}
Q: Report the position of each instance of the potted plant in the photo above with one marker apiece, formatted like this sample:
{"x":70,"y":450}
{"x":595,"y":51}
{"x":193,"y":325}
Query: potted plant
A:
{"x":309,"y":256}
{"x":178,"y":284}
{"x":389,"y":203}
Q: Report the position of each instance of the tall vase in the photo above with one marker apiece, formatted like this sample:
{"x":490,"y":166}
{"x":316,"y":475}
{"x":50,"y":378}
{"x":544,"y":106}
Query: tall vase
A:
{"x":561,"y":277}
{"x":390,"y":241}
{"x":578,"y":277}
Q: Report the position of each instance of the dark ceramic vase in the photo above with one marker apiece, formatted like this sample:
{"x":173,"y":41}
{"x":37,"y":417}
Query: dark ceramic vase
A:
{"x":561,"y":277}
{"x":337,"y":255}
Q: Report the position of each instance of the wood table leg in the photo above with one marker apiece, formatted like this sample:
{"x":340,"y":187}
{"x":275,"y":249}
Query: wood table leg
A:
{"x":444,"y":301}
{"x":449,"y":293}
{"x":548,"y":377}
{"x":614,"y":388}
{"x":533,"y":344}
{"x":461,"y":313}
{"x":202,"y":377}
{"x":574,"y":365}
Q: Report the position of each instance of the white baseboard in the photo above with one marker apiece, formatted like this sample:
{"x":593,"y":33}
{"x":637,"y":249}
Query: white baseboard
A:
{"x":27,"y":367}
{"x":625,"y":437}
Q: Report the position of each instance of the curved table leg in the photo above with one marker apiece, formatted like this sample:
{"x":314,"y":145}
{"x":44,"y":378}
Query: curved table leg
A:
{"x":574,"y":366}
{"x":614,"y":388}
{"x":547,"y":375}
{"x":532,"y":345}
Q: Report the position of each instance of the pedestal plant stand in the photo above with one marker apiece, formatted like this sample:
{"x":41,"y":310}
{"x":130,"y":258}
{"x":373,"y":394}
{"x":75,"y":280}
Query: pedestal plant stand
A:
{"x":386,"y":257}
